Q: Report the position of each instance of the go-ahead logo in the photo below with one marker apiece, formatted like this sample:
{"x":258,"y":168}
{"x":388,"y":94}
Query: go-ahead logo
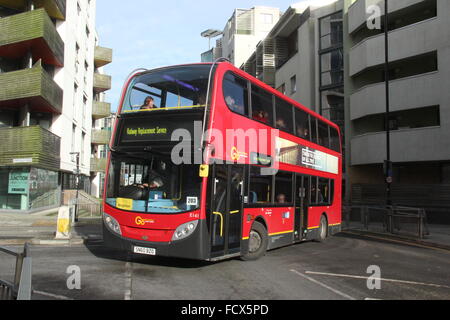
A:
{"x":142,"y":222}
{"x":236,"y":154}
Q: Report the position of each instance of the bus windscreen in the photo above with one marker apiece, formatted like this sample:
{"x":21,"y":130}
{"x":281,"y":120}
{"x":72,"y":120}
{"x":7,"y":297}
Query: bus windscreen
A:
{"x":152,"y":184}
{"x":174,"y":87}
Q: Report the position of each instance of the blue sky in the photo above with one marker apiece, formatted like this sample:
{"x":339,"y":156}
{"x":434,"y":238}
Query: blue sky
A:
{"x":149,"y":33}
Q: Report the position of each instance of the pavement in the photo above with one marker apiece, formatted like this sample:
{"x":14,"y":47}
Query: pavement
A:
{"x":40,"y":229}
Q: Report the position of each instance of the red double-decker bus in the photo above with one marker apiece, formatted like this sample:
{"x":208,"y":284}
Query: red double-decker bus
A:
{"x":207,"y":163}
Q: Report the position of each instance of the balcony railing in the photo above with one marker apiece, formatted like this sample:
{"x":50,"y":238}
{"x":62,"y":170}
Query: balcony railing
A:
{"x":33,"y":87}
{"x":102,"y":56}
{"x":29,"y":146}
{"x":98,"y":165}
{"x":100,"y":110}
{"x":33,"y":31}
{"x":55,"y":8}
{"x":102,"y":82}
{"x":100,"y":137}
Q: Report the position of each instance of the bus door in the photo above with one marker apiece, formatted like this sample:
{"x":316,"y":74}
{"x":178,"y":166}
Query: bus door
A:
{"x":226,"y":209}
{"x":301,"y":206}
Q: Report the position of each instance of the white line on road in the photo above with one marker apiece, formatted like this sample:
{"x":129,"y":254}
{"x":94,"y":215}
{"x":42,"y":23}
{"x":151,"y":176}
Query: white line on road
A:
{"x":346,"y":296}
{"x":51,"y":295}
{"x":380,"y":279}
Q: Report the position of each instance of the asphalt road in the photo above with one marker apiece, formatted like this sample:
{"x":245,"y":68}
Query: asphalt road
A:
{"x":335,"y":270}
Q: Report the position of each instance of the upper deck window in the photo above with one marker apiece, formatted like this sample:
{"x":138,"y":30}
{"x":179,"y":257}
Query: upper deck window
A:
{"x":182,"y":86}
{"x":235,"y":91}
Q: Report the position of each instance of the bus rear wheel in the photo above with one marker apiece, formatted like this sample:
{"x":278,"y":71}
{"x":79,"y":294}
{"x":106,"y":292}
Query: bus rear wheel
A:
{"x":257,"y":242}
{"x":323,"y":229}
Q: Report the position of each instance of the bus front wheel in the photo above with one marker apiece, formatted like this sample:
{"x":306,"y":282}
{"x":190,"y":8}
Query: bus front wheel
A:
{"x":257,"y":242}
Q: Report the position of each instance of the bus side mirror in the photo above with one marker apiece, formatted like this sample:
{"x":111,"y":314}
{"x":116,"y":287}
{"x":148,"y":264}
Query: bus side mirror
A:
{"x":204,"y":171}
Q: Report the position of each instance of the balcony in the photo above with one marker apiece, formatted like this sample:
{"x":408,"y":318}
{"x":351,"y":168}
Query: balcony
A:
{"x":407,"y":145}
{"x":100,"y":110}
{"x":102,"y":82}
{"x":100,"y":137}
{"x":423,"y":91}
{"x":102,"y":56}
{"x":29,"y":146}
{"x":98,"y":165}
{"x":357,"y":15}
{"x":33,"y":87}
{"x":55,"y":8}
{"x":31,"y":31}
{"x":413,"y":40}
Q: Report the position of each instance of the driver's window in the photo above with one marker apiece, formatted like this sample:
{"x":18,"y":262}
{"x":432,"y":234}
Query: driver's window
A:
{"x":141,"y":92}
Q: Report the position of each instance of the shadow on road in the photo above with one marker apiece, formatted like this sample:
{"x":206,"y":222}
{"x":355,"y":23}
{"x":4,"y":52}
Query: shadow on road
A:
{"x":92,"y":233}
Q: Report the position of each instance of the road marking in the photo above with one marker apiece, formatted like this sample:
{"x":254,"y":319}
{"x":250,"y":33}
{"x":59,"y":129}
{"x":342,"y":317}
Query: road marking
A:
{"x":51,"y":295}
{"x":346,"y":296}
{"x":128,"y":280}
{"x":381,"y":279}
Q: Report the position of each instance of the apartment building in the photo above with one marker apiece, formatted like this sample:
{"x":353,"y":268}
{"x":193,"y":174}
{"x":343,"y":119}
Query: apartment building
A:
{"x":242,"y":32}
{"x":419,"y":74}
{"x":50,"y":97}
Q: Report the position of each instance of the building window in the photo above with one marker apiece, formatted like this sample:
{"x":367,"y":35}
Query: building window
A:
{"x":266,"y":18}
{"x":282,"y":88}
{"x":293,"y":84}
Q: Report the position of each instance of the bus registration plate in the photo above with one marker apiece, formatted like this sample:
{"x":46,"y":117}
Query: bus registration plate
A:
{"x":142,"y":250}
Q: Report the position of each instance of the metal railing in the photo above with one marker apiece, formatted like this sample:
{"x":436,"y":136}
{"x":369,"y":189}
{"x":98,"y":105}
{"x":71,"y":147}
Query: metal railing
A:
{"x":86,"y":205}
{"x":398,"y":220}
{"x":20,"y":288}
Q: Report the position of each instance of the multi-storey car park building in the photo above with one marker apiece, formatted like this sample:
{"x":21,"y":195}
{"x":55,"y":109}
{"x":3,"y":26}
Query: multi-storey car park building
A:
{"x":51,"y":91}
{"x":419,"y":120}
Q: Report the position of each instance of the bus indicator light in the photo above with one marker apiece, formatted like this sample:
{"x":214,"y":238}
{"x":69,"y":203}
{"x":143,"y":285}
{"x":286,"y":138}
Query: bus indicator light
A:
{"x":204,"y":171}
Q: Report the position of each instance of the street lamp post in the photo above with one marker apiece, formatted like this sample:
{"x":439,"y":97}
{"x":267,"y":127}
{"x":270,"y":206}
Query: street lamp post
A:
{"x":388,"y":164}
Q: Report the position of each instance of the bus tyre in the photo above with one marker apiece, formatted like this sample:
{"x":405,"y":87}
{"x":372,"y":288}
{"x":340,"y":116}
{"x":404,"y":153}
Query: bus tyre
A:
{"x":257,"y":242}
{"x":323,"y":229}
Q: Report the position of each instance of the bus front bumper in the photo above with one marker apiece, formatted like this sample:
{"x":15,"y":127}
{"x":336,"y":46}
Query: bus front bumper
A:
{"x":196,"y":246}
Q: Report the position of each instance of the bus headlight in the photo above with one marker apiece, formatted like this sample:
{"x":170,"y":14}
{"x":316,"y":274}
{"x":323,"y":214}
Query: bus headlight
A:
{"x":184,"y":230}
{"x":112,"y":223}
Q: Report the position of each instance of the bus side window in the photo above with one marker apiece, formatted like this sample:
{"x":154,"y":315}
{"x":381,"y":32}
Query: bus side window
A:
{"x":283,"y":188}
{"x":313,"y":124}
{"x":302,"y":124}
{"x":283,"y":115}
{"x":313,"y":190}
{"x":235,"y":93}
{"x":324,"y":140}
{"x":262,"y":105}
{"x":260,"y":186}
{"x":324,"y":191}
